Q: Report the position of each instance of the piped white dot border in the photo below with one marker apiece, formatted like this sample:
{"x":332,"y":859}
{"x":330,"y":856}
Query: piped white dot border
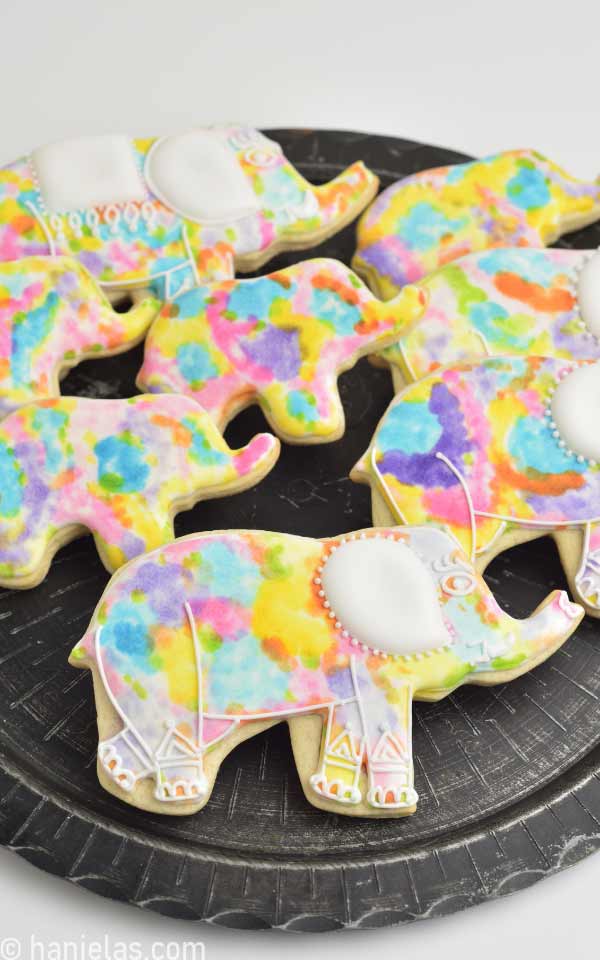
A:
{"x":338,"y":625}
{"x":553,"y":426}
{"x":573,"y":282}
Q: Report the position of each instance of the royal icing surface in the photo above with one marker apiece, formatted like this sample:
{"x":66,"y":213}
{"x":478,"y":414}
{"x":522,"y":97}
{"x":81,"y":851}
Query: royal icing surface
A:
{"x":479,"y":449}
{"x":218,"y":630}
{"x":198,"y":175}
{"x":588,"y":293}
{"x":88,"y":172}
{"x":516,"y":198}
{"x":371,"y":584}
{"x":170,"y":212}
{"x":506,"y":301}
{"x":52,"y":316}
{"x":119,"y":468}
{"x":279,"y":341}
{"x":575,"y":408}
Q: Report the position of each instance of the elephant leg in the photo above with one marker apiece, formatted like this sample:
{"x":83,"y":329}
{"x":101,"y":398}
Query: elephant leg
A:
{"x":342,"y":752}
{"x":179,"y":767}
{"x":389,"y":750}
{"x":125,"y":760}
{"x":180,"y":773}
{"x":368,"y":728}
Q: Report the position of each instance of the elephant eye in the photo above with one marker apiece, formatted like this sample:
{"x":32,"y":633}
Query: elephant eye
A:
{"x":262,"y":156}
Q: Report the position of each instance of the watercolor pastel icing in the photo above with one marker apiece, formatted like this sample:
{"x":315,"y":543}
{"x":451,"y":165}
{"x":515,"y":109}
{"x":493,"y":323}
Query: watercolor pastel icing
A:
{"x":169,"y":213}
{"x":506,"y":301}
{"x":120,"y":469}
{"x":280,"y":341}
{"x":53,"y":315}
{"x":208,"y":640}
{"x":497,"y":451}
{"x":514,"y":198}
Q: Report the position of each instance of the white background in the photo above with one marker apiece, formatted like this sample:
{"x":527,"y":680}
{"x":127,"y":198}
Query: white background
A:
{"x":476,"y":76}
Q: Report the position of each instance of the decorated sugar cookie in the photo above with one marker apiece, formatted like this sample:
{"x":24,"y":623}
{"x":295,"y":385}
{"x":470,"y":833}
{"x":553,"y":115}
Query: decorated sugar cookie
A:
{"x":497,"y":452}
{"x":170,"y":212}
{"x":52,"y":316}
{"x":280,"y":341}
{"x":507,"y":301}
{"x":214,"y":637}
{"x":119,"y":468}
{"x":516,"y":198}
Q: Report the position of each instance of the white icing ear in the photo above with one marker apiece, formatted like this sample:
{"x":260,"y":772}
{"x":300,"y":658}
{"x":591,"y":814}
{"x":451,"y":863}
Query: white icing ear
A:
{"x":588,"y":294}
{"x":87,"y":172}
{"x":576,"y":410}
{"x":198,"y":176}
{"x":384,"y":596}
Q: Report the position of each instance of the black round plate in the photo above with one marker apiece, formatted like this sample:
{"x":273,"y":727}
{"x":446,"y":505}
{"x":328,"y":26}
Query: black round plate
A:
{"x":508,"y":777}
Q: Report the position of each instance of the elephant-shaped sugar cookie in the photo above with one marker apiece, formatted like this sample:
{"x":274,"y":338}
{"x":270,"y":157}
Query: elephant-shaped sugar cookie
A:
{"x":119,"y":468}
{"x":169,"y":213}
{"x":498,"y":452}
{"x":280,"y":341}
{"x":513,"y":301}
{"x":214,"y":637}
{"x":52,"y":316}
{"x":515,"y":198}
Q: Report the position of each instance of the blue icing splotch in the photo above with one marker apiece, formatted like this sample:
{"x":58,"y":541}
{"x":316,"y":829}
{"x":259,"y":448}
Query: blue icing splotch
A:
{"x":302,"y":405}
{"x":121,"y":465}
{"x":528,"y":189}
{"x":533,"y":447}
{"x":242,"y":674}
{"x":491,"y":318}
{"x":534,"y":265}
{"x":200,"y":449}
{"x":279,"y":190}
{"x":50,"y":425}
{"x":342,"y":317}
{"x":195,"y":364}
{"x":230,"y":574}
{"x":29,"y":330}
{"x":411,"y":428}
{"x":424,"y":226}
{"x":11,"y":490}
{"x":127,"y":640}
{"x":253,"y":298}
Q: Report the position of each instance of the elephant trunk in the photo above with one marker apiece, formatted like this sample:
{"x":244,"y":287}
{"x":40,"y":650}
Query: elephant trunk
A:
{"x":552,"y":622}
{"x":529,"y":642}
{"x":136,"y":321}
{"x":387,"y":321}
{"x":344,"y":197}
{"x":258,"y":457}
{"x":578,"y":201}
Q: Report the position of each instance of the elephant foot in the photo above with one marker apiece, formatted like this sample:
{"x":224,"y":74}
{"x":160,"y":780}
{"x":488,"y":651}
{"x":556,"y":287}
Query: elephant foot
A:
{"x":386,"y":797}
{"x":335,"y":789}
{"x":588,"y":581}
{"x":120,"y":760}
{"x":185,"y":783}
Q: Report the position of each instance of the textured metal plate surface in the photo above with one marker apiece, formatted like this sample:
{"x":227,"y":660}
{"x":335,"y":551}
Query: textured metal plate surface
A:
{"x":508,"y":777}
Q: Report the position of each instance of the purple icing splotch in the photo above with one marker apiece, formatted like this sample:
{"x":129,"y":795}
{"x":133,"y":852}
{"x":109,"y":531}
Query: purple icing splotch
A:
{"x":277,"y":350}
{"x":424,"y":469}
{"x":163,"y":587}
